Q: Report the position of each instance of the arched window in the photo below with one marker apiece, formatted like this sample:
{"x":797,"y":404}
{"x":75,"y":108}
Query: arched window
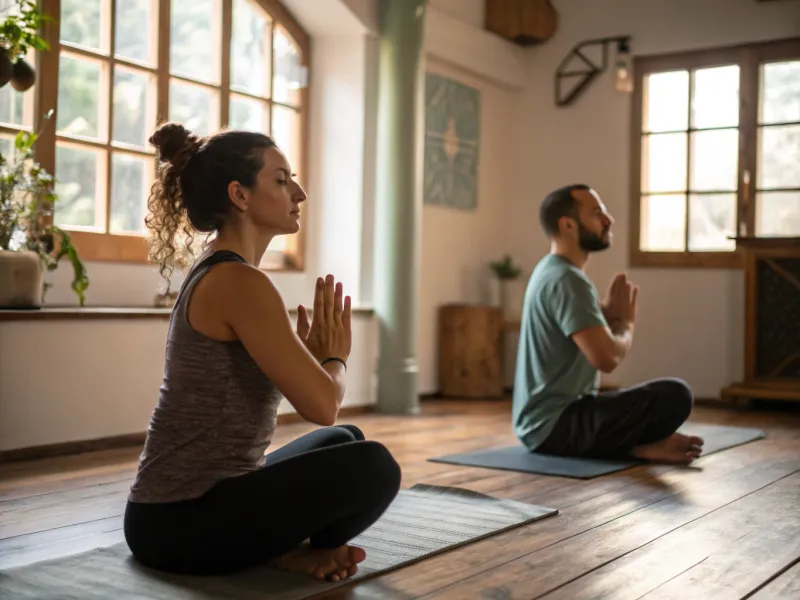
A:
{"x":116,"y":68}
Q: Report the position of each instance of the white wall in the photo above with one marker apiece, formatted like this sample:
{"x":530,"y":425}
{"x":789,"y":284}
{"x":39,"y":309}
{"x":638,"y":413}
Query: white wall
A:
{"x":691,"y":321}
{"x":468,"y":11}
{"x":457,"y":245}
{"x":102,"y":377}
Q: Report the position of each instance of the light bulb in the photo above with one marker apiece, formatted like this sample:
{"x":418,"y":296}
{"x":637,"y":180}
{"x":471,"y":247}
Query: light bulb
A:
{"x":623,"y":81}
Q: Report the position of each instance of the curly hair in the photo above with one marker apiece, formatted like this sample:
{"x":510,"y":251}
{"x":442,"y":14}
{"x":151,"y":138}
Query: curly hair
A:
{"x":190,"y":194}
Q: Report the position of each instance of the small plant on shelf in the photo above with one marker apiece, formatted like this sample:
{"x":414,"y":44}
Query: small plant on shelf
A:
{"x":505,"y":268}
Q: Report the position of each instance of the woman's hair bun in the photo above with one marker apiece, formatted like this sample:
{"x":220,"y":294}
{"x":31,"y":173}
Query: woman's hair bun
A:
{"x":175,"y":144}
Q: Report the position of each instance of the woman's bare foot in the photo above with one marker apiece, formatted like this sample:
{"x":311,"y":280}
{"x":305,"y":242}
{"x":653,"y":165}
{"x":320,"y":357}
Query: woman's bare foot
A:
{"x":321,"y":563}
{"x":677,"y":448}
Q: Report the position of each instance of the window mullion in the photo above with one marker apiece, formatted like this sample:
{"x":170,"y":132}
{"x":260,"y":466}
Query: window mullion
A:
{"x":162,"y":101}
{"x":47,"y":87}
{"x":686,"y":198}
{"x":112,"y":32}
{"x":748,"y":141}
{"x":225,"y":59}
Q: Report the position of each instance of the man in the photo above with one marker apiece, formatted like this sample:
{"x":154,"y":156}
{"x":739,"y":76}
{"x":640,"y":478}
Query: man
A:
{"x":567,"y":336}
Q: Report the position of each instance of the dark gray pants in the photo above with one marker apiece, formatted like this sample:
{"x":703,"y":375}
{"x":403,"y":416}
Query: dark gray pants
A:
{"x":611,"y":424}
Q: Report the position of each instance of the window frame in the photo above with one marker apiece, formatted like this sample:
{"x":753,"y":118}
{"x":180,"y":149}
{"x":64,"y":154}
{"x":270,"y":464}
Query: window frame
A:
{"x":108,"y":247}
{"x":749,"y":58}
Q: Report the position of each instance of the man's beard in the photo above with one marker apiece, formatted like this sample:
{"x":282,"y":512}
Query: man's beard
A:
{"x":590,"y":242}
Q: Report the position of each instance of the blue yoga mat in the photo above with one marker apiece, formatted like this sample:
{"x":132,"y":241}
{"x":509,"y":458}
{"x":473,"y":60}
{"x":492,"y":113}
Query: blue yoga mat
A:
{"x":518,"y":458}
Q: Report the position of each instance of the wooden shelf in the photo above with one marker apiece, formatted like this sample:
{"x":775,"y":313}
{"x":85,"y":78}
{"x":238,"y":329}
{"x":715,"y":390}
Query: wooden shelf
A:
{"x":741,"y":390}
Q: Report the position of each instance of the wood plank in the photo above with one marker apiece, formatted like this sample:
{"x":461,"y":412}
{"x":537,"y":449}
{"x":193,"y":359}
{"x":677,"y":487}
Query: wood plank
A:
{"x":58,"y":506}
{"x":786,"y":586}
{"x":609,"y":502}
{"x":62,"y":548}
{"x":709,"y":558}
{"x":113,"y":508}
{"x":23,"y":543}
{"x":77,"y":505}
{"x":573,"y":557}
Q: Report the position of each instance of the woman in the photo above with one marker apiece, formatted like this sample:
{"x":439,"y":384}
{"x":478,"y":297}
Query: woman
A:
{"x":205,"y":499}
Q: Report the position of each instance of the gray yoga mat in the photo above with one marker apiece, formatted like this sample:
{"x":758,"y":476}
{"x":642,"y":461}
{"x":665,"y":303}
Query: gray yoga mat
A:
{"x":517,"y":458}
{"x":422,"y":521}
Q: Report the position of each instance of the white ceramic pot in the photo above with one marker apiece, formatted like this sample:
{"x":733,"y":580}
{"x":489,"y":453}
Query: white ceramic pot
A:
{"x":21,"y":280}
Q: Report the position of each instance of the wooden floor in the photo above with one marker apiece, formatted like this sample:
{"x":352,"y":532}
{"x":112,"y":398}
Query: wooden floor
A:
{"x":727,"y":528}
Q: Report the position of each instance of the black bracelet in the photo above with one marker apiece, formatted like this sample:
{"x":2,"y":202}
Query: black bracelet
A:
{"x":337,"y":359}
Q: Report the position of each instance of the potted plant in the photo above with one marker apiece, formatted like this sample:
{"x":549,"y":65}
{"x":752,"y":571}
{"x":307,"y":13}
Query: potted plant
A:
{"x":29,"y":241}
{"x":505,"y":271}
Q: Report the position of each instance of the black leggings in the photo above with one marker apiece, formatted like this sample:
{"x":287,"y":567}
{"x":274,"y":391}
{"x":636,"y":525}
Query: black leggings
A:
{"x":611,"y":424}
{"x":327,"y":487}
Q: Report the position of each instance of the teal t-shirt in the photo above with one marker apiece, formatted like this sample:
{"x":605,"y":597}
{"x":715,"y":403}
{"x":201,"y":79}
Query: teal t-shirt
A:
{"x":551,"y":371}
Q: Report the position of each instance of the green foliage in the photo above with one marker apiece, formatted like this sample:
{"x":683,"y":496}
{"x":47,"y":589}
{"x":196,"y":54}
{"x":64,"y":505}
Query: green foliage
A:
{"x":27,"y":201}
{"x":506,"y":269}
{"x":19,"y":33}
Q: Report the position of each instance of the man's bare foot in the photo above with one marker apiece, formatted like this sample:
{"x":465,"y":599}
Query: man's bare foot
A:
{"x":677,"y":448}
{"x":321,"y":563}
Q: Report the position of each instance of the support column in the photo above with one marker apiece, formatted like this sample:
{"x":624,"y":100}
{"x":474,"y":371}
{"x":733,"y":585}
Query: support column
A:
{"x":398,"y":203}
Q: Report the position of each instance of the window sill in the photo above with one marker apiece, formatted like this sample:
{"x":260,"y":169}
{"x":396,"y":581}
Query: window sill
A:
{"x":62,"y":313}
{"x":133,"y":249}
{"x":687,"y":260}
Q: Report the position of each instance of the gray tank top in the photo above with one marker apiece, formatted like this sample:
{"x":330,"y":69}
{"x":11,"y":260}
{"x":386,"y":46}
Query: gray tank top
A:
{"x":216,"y":410}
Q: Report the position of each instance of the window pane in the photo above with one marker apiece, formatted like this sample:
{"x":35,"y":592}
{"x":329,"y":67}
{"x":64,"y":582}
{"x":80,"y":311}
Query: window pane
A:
{"x":6,"y":146}
{"x":712,"y":218}
{"x":80,"y":187}
{"x":780,"y":92}
{"x":194,"y":40}
{"x":79,"y":92}
{"x":715,"y":157}
{"x":82,"y":23}
{"x":248,"y":114}
{"x":663,"y":223}
{"x":778,"y":213}
{"x":195,"y":107}
{"x":136,"y":30}
{"x":286,"y":131}
{"x":287,"y":82}
{"x":134,"y":106}
{"x":664,"y":162}
{"x":250,"y":48}
{"x":666,"y":101}
{"x":16,"y":108}
{"x":779,"y":156}
{"x":130,"y":184}
{"x":716,"y":97}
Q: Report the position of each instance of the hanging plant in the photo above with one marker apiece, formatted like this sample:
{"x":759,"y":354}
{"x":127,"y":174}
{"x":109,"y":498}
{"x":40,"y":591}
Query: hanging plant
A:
{"x":19,"y":33}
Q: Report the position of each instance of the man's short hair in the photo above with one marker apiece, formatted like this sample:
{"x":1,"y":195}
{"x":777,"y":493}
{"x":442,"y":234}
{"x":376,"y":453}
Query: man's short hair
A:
{"x":559,"y":203}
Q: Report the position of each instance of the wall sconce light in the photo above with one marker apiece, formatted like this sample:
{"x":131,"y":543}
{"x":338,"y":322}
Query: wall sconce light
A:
{"x":589,"y":70}
{"x":624,"y":68}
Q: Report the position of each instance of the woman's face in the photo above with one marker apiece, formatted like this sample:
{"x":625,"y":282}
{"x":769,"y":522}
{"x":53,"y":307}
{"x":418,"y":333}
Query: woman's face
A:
{"x":273,"y":203}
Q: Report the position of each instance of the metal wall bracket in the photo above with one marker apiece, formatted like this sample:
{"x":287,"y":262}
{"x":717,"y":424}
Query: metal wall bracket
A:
{"x":589,"y":71}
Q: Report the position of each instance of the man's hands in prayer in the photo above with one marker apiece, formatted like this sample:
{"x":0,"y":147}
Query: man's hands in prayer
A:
{"x":620,"y":304}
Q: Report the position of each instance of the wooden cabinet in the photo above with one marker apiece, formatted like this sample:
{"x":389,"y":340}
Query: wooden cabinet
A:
{"x":772,"y":320}
{"x":471,"y":342}
{"x":525,"y":22}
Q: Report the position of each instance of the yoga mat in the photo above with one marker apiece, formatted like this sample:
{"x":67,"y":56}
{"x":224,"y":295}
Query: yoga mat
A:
{"x":422,"y":521}
{"x":517,"y":458}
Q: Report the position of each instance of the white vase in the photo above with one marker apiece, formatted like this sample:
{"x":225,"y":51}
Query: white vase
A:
{"x":21,"y":279}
